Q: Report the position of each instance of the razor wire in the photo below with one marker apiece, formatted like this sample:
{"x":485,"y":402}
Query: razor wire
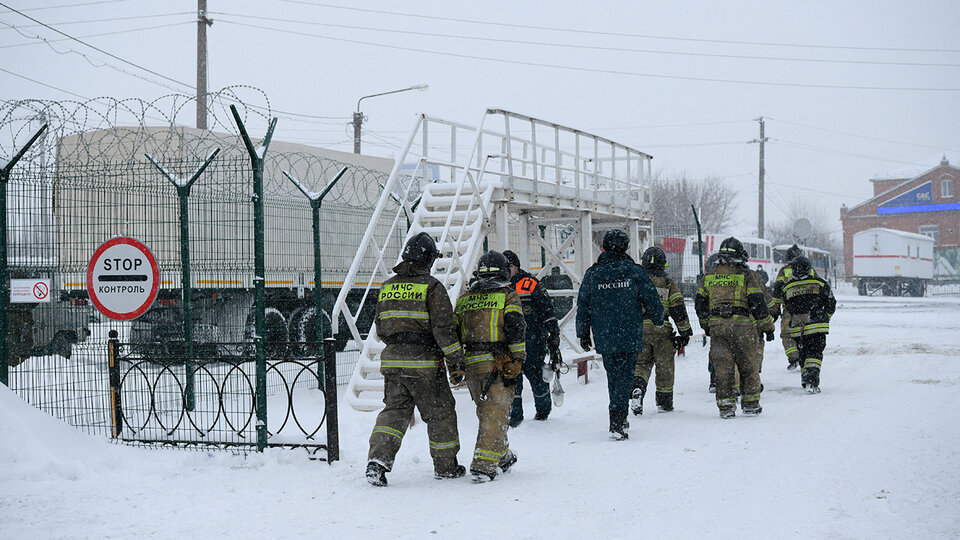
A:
{"x":110,"y":131}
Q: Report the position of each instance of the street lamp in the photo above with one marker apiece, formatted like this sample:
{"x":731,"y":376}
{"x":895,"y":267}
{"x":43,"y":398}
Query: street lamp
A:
{"x":358,"y":116}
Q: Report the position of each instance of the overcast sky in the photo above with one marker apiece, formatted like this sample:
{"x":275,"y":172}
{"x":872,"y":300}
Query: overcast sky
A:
{"x":850,"y":89}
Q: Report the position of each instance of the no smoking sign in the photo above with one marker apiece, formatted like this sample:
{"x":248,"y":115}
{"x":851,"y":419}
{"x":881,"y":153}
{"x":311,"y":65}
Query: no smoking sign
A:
{"x":123,"y":278}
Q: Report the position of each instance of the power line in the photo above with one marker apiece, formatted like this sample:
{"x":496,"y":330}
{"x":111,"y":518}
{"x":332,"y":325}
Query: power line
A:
{"x":140,"y":29}
{"x":43,"y":84}
{"x":837,"y":152}
{"x":112,"y":19}
{"x":590,"y":47}
{"x":594,"y":70}
{"x":75,"y":5}
{"x":855,"y":134}
{"x":618,"y":34}
{"x":98,"y":49}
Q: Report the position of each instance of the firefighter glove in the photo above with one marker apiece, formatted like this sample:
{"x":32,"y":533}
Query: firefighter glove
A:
{"x":553,"y":341}
{"x":769,"y":335}
{"x":457,"y":373}
{"x":585,"y":343}
{"x":681,"y":341}
{"x":508,"y":367}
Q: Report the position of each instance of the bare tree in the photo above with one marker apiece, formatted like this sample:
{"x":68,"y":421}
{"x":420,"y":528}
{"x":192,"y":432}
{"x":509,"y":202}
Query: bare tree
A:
{"x":672,"y":196}
{"x":782,"y":232}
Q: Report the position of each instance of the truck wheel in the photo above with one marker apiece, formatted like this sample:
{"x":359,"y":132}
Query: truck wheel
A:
{"x":862,"y":288}
{"x":275,"y":337}
{"x":303,"y":328}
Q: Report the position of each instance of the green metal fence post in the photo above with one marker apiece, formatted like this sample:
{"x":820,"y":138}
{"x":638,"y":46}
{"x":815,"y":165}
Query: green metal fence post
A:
{"x":4,"y":271}
{"x":700,"y":251}
{"x":316,"y":200}
{"x":186,"y":285}
{"x":256,"y":160}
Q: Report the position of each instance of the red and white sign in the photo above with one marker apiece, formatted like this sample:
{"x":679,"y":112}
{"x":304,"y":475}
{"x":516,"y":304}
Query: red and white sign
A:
{"x":123,"y":278}
{"x":29,"y":291}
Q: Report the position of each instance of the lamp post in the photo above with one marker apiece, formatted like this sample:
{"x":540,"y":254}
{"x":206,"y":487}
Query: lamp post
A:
{"x":358,"y":116}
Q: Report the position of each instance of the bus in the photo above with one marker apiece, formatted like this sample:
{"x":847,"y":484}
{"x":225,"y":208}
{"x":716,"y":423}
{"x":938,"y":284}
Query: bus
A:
{"x":759,"y":252}
{"x":820,"y":260}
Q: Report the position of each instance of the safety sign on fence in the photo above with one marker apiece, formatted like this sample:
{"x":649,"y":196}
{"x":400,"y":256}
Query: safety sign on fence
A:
{"x":123,"y":278}
{"x":28,"y":291}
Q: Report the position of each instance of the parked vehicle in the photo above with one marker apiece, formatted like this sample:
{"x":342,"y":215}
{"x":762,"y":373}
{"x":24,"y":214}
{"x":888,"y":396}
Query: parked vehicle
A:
{"x":820,"y":260}
{"x":892,"y":263}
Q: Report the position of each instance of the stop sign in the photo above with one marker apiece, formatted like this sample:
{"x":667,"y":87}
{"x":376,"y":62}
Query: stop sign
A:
{"x":123,"y":278}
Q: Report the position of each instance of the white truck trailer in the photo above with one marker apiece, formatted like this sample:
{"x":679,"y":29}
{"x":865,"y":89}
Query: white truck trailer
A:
{"x":892,"y":263}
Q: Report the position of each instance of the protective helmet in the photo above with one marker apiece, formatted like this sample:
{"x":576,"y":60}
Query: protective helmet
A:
{"x":793,"y":252}
{"x":615,"y":240}
{"x":731,"y":250}
{"x":512,"y":259}
{"x":421,"y":249}
{"x":493,"y":264}
{"x":801,"y":266}
{"x":654,"y":259}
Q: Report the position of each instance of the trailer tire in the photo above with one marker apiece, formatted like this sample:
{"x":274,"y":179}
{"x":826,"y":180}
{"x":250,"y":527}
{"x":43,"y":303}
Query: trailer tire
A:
{"x":276,"y":337}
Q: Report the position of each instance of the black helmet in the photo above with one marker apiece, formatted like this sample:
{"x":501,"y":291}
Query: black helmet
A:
{"x":421,"y":249}
{"x":801,"y":266}
{"x":793,"y":252}
{"x":615,"y":240}
{"x":654,"y":259}
{"x":512,"y":259}
{"x":493,"y":264}
{"x":731,"y":250}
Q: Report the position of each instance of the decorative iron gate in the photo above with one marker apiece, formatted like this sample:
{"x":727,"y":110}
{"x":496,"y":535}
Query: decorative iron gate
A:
{"x":210,"y":398}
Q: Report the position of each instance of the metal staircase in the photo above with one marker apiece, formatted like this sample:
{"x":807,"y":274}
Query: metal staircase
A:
{"x":518,"y":183}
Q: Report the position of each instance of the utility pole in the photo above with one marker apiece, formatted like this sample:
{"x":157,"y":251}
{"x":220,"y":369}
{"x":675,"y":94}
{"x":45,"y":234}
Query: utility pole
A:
{"x":357,"y":126}
{"x":202,"y":23}
{"x":761,"y":140}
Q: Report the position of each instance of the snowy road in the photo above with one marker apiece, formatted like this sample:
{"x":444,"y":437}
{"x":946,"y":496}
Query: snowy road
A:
{"x":873,"y":456}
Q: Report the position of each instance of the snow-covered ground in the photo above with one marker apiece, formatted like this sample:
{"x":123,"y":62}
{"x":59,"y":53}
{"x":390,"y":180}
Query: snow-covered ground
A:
{"x":874,"y":456}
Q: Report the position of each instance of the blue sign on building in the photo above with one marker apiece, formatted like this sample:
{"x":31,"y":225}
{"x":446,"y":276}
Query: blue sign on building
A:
{"x":918,"y":199}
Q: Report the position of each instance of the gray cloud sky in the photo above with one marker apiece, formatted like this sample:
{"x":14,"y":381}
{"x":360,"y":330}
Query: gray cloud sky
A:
{"x":680,"y":80}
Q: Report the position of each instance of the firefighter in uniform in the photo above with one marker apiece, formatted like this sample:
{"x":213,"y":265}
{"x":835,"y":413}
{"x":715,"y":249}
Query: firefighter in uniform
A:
{"x":660,"y":343}
{"x":614,"y":294}
{"x":542,"y":334}
{"x":415,"y":319}
{"x":810,"y":303}
{"x":731,"y":308}
{"x":490,"y":320}
{"x":784,"y":275}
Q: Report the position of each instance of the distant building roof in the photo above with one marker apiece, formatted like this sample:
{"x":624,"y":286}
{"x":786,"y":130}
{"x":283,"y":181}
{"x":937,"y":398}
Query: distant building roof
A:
{"x":909,"y":172}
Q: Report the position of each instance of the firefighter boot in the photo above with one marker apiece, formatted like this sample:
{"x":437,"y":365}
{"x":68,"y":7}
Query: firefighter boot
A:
{"x":811,"y":379}
{"x":618,"y":425}
{"x":664,"y":401}
{"x":447,"y":467}
{"x":376,"y":474}
{"x":636,"y":396}
{"x":507,"y":461}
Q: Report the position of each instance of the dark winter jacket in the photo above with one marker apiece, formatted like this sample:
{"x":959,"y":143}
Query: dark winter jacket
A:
{"x":613,"y":295}
{"x":415,"y":319}
{"x":537,"y":308}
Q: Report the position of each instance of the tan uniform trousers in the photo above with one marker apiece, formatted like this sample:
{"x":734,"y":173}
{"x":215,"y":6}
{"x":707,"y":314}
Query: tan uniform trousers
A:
{"x":789,"y":344}
{"x":492,"y":446}
{"x":400,"y":396}
{"x":658,"y":350}
{"x":733,"y":349}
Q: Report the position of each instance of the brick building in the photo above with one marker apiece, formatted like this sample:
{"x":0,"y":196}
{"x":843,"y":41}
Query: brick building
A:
{"x":924,"y":202}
